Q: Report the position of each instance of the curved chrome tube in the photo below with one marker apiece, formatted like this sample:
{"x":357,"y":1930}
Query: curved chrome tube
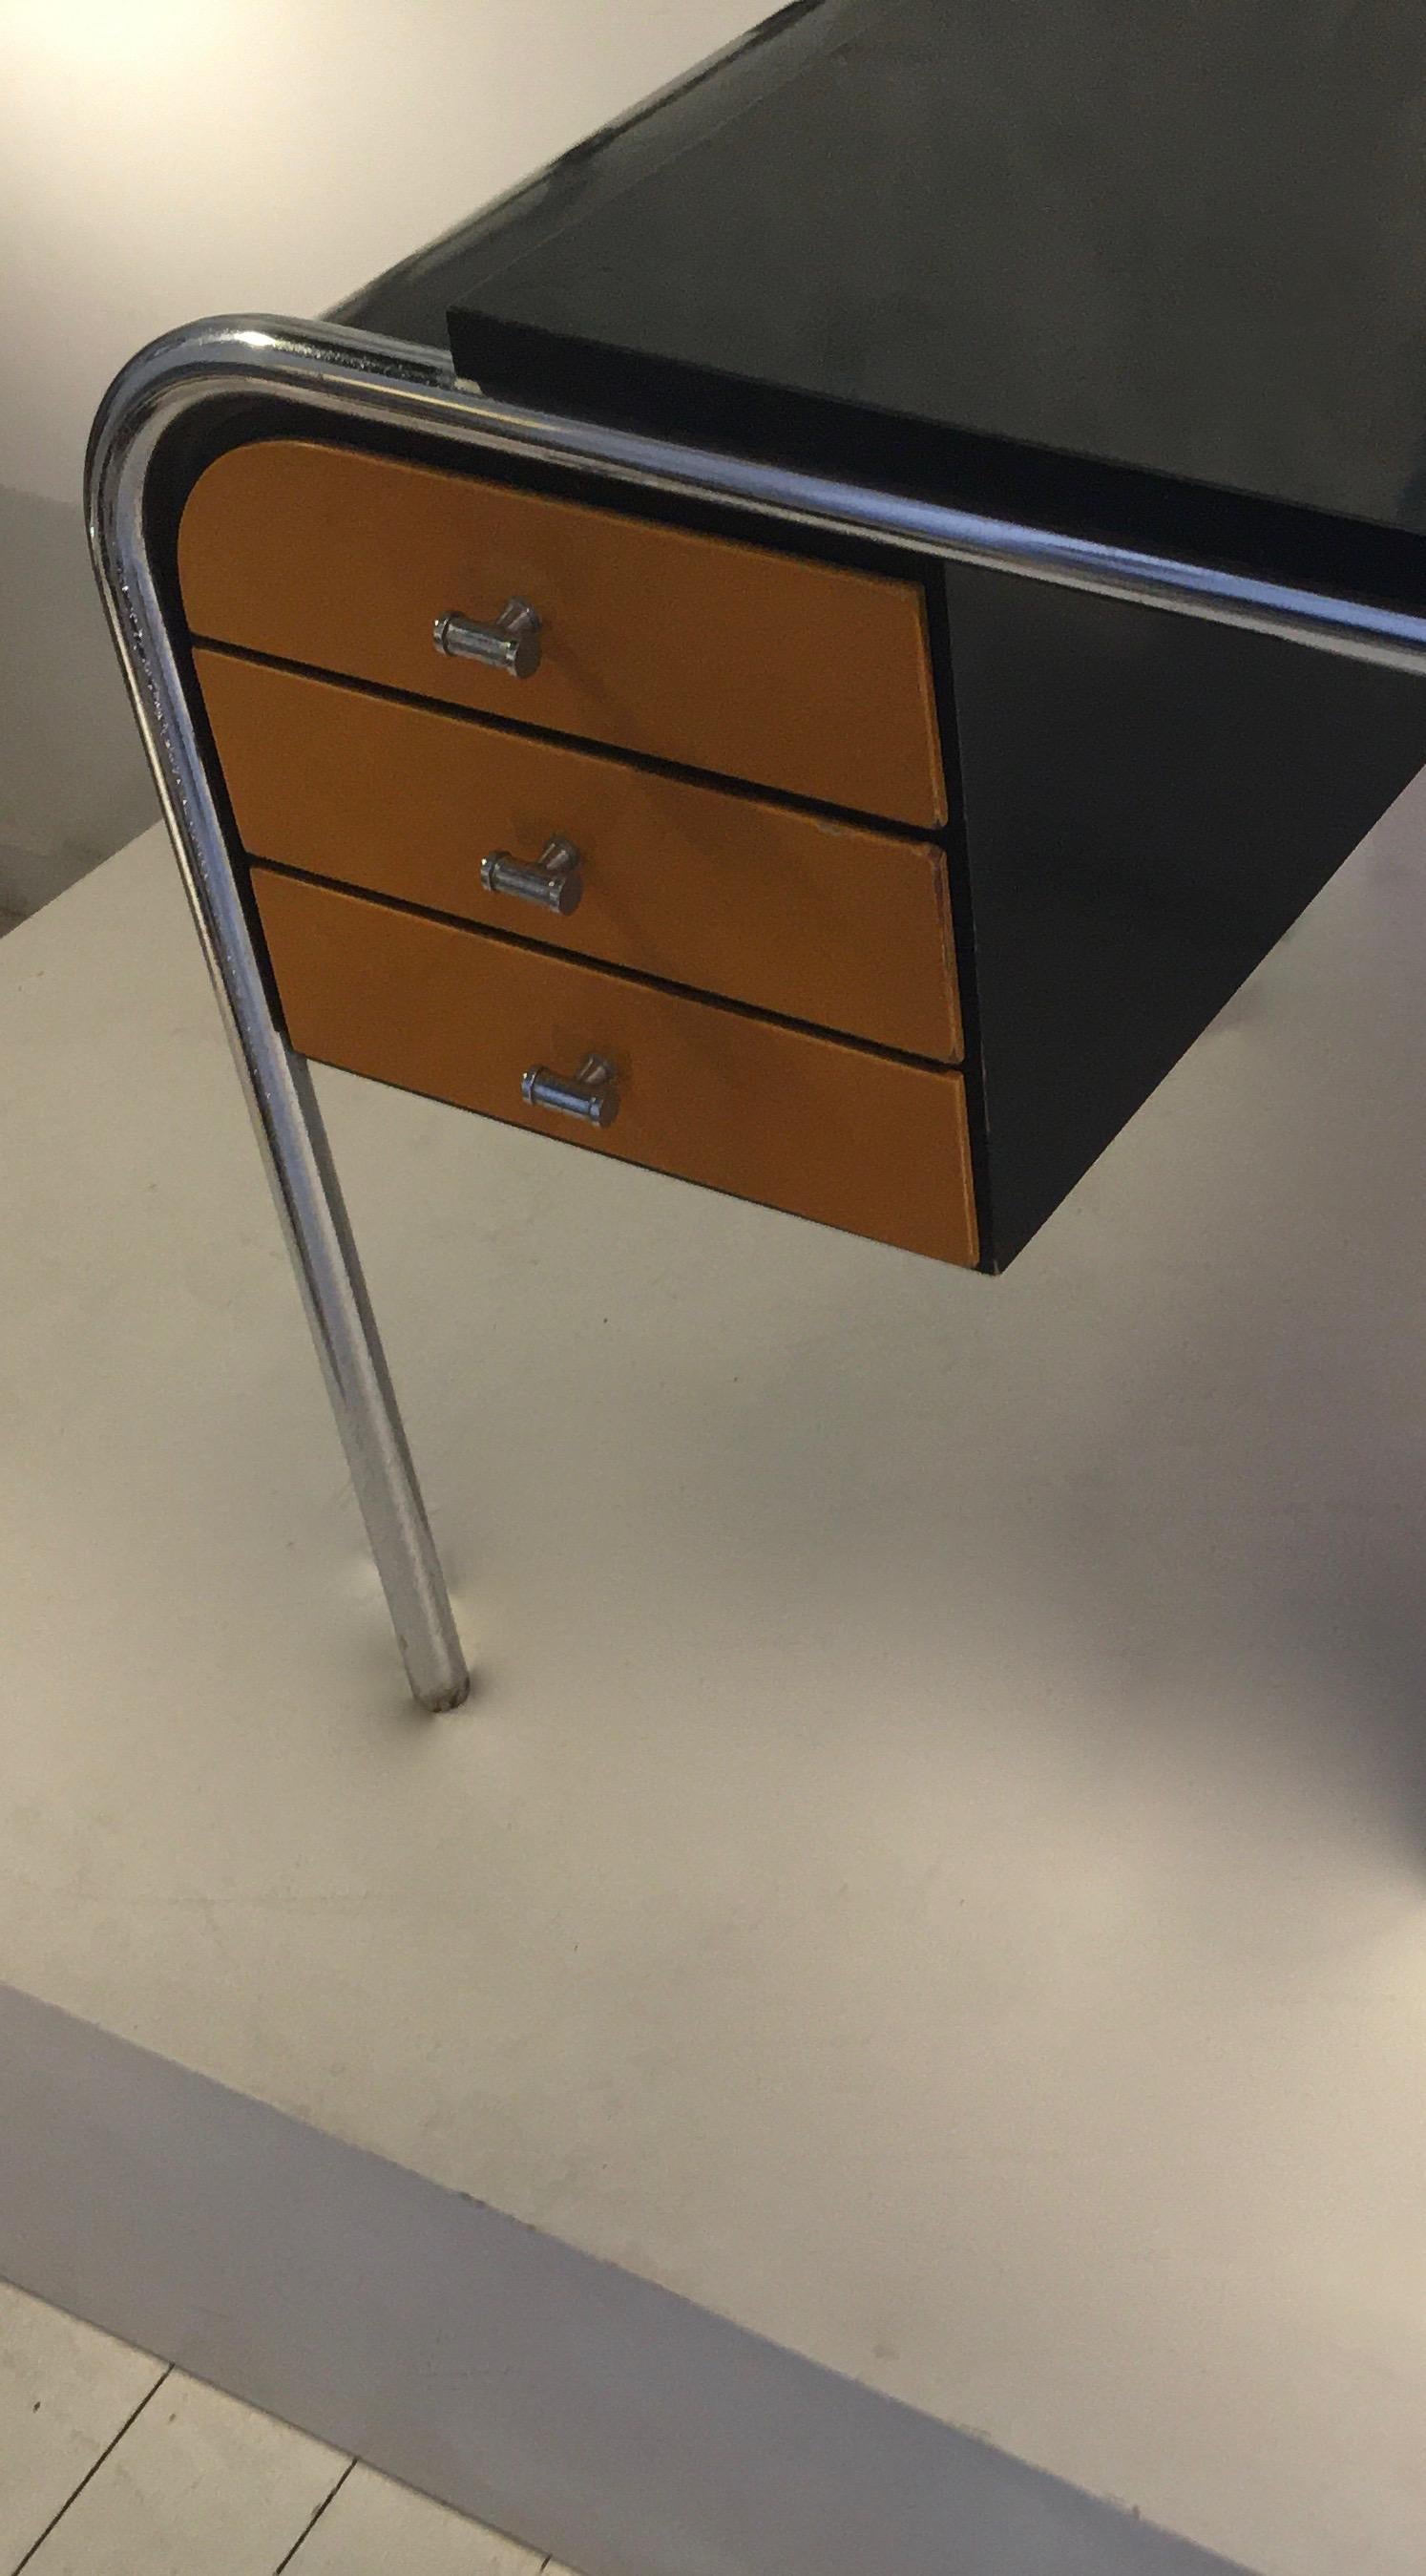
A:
{"x":166,"y":382}
{"x":338,"y":373}
{"x":331,"y":369}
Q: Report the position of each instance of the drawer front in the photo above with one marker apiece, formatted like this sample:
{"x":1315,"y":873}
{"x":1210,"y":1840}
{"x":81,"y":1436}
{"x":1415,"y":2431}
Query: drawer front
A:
{"x":789,"y":674}
{"x":760,"y":903}
{"x":796,"y":1121}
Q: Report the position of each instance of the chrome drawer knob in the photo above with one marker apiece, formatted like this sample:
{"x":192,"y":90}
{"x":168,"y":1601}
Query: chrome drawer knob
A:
{"x":590,"y":1094}
{"x":554,"y":880}
{"x":512,"y":644}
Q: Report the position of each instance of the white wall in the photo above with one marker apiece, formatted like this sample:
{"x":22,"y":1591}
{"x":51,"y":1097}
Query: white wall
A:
{"x":161,"y":159}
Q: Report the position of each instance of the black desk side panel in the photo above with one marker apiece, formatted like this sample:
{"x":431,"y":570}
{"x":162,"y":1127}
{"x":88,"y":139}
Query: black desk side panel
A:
{"x":1149,"y":803}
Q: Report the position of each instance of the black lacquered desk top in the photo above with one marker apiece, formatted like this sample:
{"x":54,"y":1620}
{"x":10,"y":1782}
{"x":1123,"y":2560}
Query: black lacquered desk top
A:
{"x":1013,"y":246}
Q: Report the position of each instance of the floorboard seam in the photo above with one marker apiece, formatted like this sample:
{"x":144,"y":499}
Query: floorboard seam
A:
{"x":93,"y":2469}
{"x":304,"y":2535}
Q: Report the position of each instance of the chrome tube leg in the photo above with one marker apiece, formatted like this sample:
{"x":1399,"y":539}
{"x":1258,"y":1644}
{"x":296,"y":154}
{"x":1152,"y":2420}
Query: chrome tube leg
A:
{"x":277,"y":1083}
{"x":324,"y":1256}
{"x":333,"y":1289}
{"x":364,"y":1402}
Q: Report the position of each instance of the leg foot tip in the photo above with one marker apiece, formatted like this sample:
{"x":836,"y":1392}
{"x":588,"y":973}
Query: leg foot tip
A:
{"x":446,"y":1696}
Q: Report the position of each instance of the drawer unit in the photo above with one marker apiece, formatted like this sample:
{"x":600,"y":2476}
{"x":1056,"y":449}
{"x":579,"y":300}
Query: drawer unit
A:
{"x":790,"y":912}
{"x":710,"y":1094}
{"x":712,"y":655}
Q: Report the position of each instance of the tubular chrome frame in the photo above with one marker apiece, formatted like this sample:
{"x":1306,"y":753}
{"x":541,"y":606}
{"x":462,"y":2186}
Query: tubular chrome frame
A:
{"x":336,"y":374}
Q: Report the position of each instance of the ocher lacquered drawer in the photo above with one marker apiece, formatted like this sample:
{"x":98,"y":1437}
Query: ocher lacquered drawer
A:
{"x":708,"y":1093}
{"x":717,"y":656}
{"x":760,"y":903}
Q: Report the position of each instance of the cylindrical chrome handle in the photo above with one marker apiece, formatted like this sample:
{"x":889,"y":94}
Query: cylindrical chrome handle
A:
{"x":554,"y":880}
{"x":590,"y":1094}
{"x":512,"y":644}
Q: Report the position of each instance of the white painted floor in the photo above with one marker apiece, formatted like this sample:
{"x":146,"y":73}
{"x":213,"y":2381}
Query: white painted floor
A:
{"x":935,"y":1868}
{"x":112,"y":2464}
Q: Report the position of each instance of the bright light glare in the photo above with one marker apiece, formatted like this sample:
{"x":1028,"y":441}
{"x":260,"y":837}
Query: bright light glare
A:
{"x":142,"y":37}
